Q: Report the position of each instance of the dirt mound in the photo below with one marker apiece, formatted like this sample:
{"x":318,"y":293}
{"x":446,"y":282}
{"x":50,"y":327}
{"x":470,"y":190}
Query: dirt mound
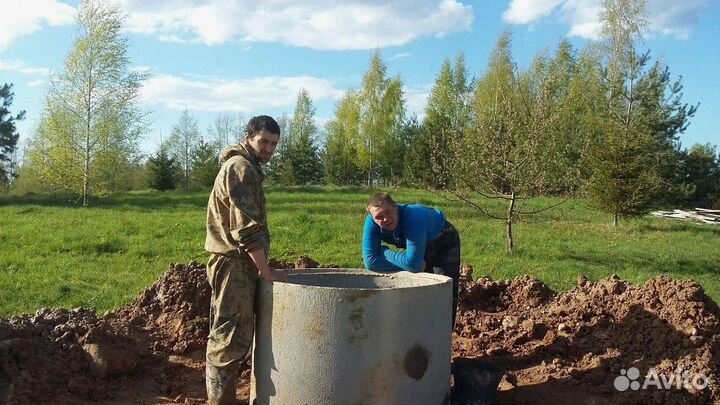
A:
{"x":578,"y":346}
{"x":574,"y":347}
{"x":154,"y":344}
{"x":519,"y":294}
{"x":171,"y":316}
{"x":60,"y":353}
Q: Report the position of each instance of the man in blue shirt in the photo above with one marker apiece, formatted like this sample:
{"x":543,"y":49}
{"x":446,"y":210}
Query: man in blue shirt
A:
{"x":430,"y":242}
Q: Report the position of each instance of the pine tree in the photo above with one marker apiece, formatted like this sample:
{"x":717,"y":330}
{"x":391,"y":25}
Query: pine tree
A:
{"x":664,"y":114}
{"x":626,"y":176}
{"x":306,"y":163}
{"x":162,"y":170}
{"x":8,"y":134}
{"x":204,"y":165}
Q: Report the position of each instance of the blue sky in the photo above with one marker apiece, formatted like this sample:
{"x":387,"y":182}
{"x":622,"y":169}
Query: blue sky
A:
{"x":251,"y":57}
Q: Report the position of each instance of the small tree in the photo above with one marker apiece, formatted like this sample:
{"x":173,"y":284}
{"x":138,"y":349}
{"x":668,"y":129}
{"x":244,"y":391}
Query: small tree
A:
{"x":182,"y":142}
{"x":204,"y":165}
{"x":625,"y":176}
{"x":91,"y":115}
{"x":510,"y":150}
{"x":8,"y":134}
{"x":416,"y":152}
{"x":700,"y":176}
{"x":161,"y":170}
{"x":280,"y":169}
{"x":340,"y":155}
{"x":447,"y":118}
{"x":306,"y":163}
{"x":225,"y":130}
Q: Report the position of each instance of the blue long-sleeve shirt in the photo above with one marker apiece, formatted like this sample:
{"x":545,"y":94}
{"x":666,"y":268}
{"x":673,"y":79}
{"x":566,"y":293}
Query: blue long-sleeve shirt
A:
{"x":417,"y":225}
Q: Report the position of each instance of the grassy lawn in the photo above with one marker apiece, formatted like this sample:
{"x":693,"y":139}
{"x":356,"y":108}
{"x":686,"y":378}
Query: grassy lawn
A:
{"x":55,"y":254}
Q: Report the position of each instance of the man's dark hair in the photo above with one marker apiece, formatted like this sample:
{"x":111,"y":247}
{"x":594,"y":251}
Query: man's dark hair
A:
{"x":378,"y":199}
{"x":262,"y":123}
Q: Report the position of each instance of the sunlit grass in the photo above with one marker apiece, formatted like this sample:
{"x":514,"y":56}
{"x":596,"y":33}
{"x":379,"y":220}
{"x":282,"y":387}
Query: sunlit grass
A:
{"x":53,"y":253}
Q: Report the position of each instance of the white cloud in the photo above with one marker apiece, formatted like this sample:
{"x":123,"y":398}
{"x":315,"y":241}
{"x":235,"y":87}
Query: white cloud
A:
{"x":416,"y":101}
{"x":527,"y":11}
{"x":22,"y":67}
{"x":676,"y":18}
{"x":24,"y":17}
{"x":668,"y":17}
{"x":317,"y":24}
{"x":399,"y":56}
{"x":178,"y":93}
{"x":36,"y":83}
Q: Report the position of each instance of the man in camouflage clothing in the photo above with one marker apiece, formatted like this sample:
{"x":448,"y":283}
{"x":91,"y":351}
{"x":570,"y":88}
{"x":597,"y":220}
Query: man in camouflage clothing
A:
{"x":239,"y":243}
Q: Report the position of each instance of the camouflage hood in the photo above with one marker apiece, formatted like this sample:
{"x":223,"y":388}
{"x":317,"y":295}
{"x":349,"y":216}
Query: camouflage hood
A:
{"x":234,"y":150}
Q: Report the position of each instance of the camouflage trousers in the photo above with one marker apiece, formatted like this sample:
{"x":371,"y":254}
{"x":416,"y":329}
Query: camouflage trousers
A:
{"x":442,"y":256}
{"x":232,"y":310}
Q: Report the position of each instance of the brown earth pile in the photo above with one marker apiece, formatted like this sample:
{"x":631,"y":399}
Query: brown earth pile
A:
{"x":565,"y":348}
{"x":73,"y":354}
{"x":571,"y":347}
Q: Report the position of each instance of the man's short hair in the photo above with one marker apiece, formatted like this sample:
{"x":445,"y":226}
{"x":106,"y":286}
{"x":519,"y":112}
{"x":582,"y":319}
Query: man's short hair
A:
{"x":378,"y":199}
{"x":262,"y":123}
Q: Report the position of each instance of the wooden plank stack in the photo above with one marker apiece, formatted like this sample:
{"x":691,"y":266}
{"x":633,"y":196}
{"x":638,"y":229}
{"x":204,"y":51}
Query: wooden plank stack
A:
{"x":702,"y":215}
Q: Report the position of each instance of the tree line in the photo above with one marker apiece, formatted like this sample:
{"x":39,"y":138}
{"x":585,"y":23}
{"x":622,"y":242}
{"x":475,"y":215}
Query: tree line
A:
{"x":603,"y":121}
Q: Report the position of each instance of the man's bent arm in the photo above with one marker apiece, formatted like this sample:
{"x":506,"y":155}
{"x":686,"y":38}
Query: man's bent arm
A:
{"x":373,"y":251}
{"x":266,"y":273}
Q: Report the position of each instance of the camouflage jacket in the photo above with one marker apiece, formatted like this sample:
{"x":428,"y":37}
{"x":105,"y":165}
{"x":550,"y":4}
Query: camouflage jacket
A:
{"x":236,"y":216}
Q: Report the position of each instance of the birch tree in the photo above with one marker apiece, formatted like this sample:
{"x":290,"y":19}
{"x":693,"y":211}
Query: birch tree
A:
{"x":447,"y":118}
{"x":183,"y":140}
{"x":225,"y":130}
{"x":343,"y":142}
{"x":381,"y":119}
{"x":91,"y":114}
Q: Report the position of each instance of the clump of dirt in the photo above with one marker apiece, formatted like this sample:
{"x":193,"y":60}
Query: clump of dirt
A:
{"x":303,"y":262}
{"x":559,"y":348}
{"x":577,"y":346}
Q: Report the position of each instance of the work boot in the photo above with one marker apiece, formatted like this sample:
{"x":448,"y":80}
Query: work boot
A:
{"x":221,"y":384}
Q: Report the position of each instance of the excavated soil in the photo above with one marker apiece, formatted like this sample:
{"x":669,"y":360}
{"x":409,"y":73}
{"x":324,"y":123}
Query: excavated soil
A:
{"x":573,"y":347}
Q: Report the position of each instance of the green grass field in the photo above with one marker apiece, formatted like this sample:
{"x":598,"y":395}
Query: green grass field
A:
{"x":55,"y":254}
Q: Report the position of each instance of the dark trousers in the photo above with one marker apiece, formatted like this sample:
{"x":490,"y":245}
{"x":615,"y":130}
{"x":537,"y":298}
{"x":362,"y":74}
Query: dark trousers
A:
{"x":442,"y":256}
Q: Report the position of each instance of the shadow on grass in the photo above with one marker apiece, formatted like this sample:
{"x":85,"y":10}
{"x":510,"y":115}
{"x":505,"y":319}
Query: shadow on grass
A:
{"x":699,"y":229}
{"x":154,"y":200}
{"x":679,"y":267}
{"x":319,"y":189}
{"x":142,"y":200}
